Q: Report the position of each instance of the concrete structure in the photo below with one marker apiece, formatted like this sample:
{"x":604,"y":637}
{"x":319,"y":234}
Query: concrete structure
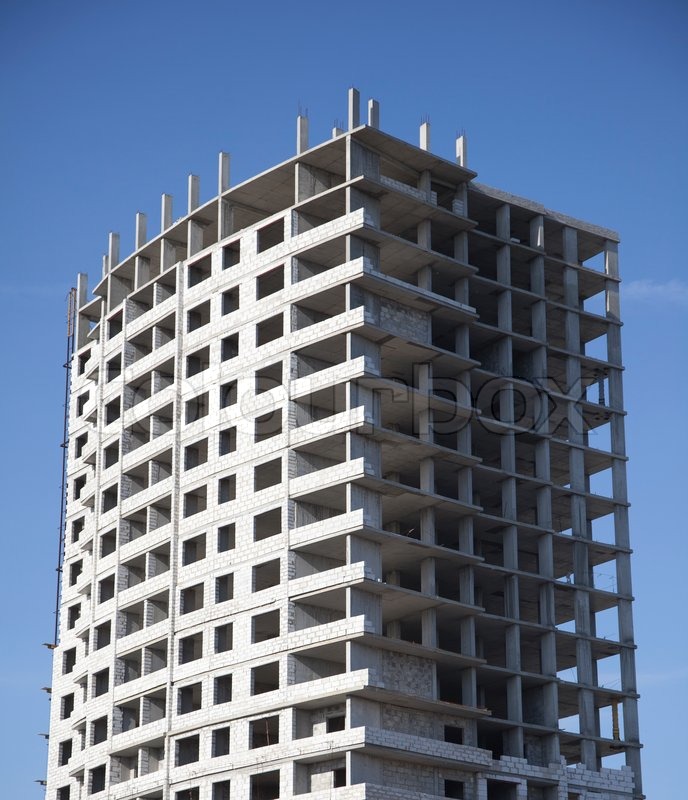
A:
{"x":347,"y":510}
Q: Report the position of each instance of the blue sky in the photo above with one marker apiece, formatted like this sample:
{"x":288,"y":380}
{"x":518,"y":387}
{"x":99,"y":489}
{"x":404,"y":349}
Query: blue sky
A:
{"x":580,"y":105}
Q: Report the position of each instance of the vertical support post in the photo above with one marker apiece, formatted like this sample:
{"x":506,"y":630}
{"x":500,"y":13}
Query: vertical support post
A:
{"x":222,"y":172}
{"x":113,"y":250}
{"x":425,"y":136}
{"x":140,"y":235}
{"x":193,"y":193}
{"x":165,"y":212}
{"x":462,"y":150}
{"x":373,"y":113}
{"x":537,"y":232}
{"x":354,"y":108}
{"x":301,"y":134}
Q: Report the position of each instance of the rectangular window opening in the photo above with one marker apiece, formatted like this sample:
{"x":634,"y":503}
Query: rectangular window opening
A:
{"x":230,"y":300}
{"x":226,"y":538}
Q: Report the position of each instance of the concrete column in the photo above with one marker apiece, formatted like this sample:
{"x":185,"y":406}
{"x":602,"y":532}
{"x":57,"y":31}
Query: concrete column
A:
{"x":142,"y":272}
{"x":140,"y":235}
{"x":373,"y":113}
{"x":194,"y":238}
{"x":570,"y":245}
{"x":509,"y":498}
{"x":359,"y":549}
{"x":462,"y":150}
{"x":223,"y":165}
{"x":461,"y":254}
{"x":193,"y":193}
{"x":424,"y":278}
{"x":429,"y":616}
{"x":466,"y":542}
{"x":82,"y":324}
{"x":168,"y":254}
{"x":460,"y":201}
{"x":113,"y":250}
{"x":469,"y":685}
{"x":425,"y":136}
{"x":427,"y":525}
{"x":537,"y":232}
{"x":165,"y":212}
{"x":611,"y":258}
{"x":548,"y":647}
{"x":360,"y":603}
{"x":462,"y":341}
{"x":467,"y":585}
{"x":514,"y":694}
{"x":423,"y":416}
{"x":504,"y":315}
{"x":226,"y":219}
{"x":354,"y":103}
{"x":539,"y":317}
{"x":513,"y":737}
{"x":301,"y":134}
{"x":465,"y":485}
{"x":504,"y":222}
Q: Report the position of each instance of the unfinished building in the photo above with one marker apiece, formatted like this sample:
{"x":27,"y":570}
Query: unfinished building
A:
{"x":346,"y":496}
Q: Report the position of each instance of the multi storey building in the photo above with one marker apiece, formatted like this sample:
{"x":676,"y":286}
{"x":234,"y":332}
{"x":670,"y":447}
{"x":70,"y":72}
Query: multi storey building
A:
{"x":346,"y":511}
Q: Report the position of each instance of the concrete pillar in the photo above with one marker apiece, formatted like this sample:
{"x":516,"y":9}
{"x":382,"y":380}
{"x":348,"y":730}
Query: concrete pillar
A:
{"x":427,"y":525}
{"x":424,"y":278}
{"x":467,"y":585}
{"x":82,"y":324}
{"x":427,"y":475}
{"x":462,"y":341}
{"x":142,"y":272}
{"x":569,"y":245}
{"x":469,"y":682}
{"x":462,"y":150}
{"x":168,"y":254}
{"x":460,"y":201}
{"x":354,"y":99}
{"x":373,"y":113}
{"x":165,"y":212}
{"x":194,"y":238}
{"x":424,"y":235}
{"x":504,"y":222}
{"x":193,"y":193}
{"x":140,"y":235}
{"x":113,"y":250}
{"x":425,"y":136}
{"x":466,"y":542}
{"x":461,"y":254}
{"x":301,"y":134}
{"x":425,"y":184}
{"x":537,"y":233}
{"x":226,"y":219}
{"x":429,"y":616}
{"x":223,"y":164}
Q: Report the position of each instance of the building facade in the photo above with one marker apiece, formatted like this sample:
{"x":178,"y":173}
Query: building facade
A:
{"x":346,"y":496}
